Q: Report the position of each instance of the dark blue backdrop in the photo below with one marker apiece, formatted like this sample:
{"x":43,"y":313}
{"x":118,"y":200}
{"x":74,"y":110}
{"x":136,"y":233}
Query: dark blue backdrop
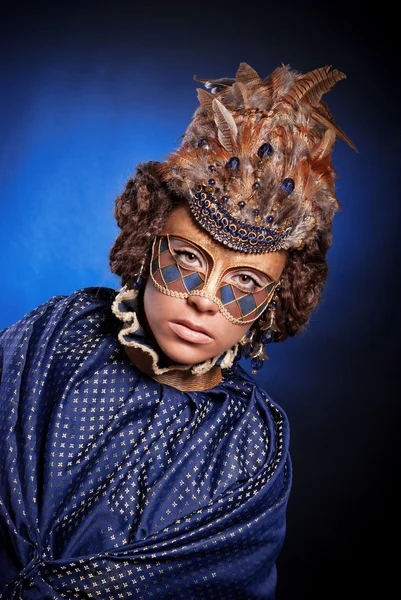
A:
{"x":89,"y":90}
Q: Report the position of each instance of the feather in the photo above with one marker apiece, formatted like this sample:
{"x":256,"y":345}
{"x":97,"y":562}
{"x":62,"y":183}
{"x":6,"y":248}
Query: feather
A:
{"x":324,"y":146}
{"x":330,"y":124}
{"x":245,"y":74}
{"x":205,"y":99}
{"x":240,"y":95}
{"x":279,"y":81}
{"x":227,"y":128}
{"x":216,"y":85}
{"x":248,"y":143}
{"x":324,"y":110}
{"x":309,"y":88}
{"x":321,"y":82}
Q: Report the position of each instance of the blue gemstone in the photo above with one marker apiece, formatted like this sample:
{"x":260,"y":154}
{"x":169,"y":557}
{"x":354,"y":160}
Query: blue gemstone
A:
{"x":233,"y":163}
{"x":212,"y":182}
{"x":269,"y":219}
{"x":256,"y":185}
{"x":287,"y":185}
{"x":224,"y":199}
{"x":211,"y":168}
{"x":255,"y":212}
{"x":267,"y":336}
{"x":246,"y":350}
{"x":201,"y":143}
{"x":241,"y":204}
{"x":137,"y":284}
{"x":256,"y":363}
{"x":265,"y":150}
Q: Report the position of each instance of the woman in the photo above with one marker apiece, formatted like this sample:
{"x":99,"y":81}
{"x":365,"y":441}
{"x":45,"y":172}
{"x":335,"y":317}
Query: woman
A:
{"x":139,"y":458}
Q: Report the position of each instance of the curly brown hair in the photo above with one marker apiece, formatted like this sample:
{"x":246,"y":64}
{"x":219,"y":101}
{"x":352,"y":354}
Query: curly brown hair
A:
{"x":143,"y":208}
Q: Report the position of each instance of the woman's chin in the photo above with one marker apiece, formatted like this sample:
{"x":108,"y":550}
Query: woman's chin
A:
{"x":182,"y":354}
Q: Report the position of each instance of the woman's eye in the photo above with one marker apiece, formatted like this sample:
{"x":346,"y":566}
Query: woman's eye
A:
{"x":188,"y":257}
{"x":247,"y":282}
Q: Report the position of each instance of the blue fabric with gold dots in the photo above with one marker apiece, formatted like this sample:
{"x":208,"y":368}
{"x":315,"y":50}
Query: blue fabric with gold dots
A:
{"x":116,"y":486}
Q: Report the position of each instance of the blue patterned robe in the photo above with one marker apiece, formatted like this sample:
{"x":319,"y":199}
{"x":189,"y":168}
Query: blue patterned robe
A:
{"x":116,"y":486}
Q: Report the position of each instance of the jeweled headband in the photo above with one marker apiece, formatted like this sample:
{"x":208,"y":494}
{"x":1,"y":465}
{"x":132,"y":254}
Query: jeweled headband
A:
{"x":255,"y":162}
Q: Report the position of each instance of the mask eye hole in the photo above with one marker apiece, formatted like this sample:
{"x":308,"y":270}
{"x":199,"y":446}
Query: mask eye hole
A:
{"x":187,"y":256}
{"x":247,"y":281}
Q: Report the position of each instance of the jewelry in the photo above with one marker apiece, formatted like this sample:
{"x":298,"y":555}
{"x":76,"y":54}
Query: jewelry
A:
{"x":138,"y":279}
{"x":265,"y":332}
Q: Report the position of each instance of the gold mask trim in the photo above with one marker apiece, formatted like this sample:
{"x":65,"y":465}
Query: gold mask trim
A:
{"x":171,"y":272}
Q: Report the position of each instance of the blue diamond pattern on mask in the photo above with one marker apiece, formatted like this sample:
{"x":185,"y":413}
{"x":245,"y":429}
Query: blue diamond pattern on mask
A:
{"x":247,"y":304}
{"x":170,"y":273}
{"x":192,"y":281}
{"x":270,"y":287}
{"x":164,"y":245}
{"x":261,"y":308}
{"x":226,"y":294}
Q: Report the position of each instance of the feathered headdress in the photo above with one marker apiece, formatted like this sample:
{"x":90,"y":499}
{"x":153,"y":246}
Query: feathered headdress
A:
{"x":255,"y":161}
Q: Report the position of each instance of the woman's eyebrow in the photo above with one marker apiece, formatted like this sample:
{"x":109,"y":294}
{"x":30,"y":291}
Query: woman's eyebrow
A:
{"x":193,"y":244}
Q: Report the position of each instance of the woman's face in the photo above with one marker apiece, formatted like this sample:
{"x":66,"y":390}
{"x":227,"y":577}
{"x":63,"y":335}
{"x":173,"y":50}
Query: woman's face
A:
{"x":174,"y":321}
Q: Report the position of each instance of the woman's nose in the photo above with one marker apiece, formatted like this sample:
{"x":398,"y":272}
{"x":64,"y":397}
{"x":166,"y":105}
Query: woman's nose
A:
{"x":203,"y":304}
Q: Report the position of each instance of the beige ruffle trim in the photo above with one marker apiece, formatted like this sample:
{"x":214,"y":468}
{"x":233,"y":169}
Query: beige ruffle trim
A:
{"x":131,"y":325}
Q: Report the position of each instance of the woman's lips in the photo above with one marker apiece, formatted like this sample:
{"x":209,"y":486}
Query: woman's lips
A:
{"x":186,"y":333}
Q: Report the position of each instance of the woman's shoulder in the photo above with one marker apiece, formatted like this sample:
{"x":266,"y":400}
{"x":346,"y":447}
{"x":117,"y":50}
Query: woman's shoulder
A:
{"x":238,"y":383}
{"x":60,"y":305}
{"x":78,"y":311}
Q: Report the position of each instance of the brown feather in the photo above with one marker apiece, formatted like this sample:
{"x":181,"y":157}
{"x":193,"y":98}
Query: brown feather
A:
{"x":279,"y":81}
{"x":309,"y":88}
{"x":240,"y":95}
{"x":322,"y":80}
{"x":245,"y":74}
{"x":249,"y":139}
{"x":329,"y":124}
{"x":324,"y":110}
{"x":205,"y":99}
{"x":324,"y":146}
{"x":227,"y":128}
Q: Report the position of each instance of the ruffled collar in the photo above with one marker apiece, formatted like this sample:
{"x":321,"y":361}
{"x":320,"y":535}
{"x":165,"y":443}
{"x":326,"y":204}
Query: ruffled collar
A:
{"x":144,"y":352}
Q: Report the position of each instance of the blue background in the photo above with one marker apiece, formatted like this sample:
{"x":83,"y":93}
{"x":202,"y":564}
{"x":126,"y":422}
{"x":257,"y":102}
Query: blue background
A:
{"x":88,"y":90}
